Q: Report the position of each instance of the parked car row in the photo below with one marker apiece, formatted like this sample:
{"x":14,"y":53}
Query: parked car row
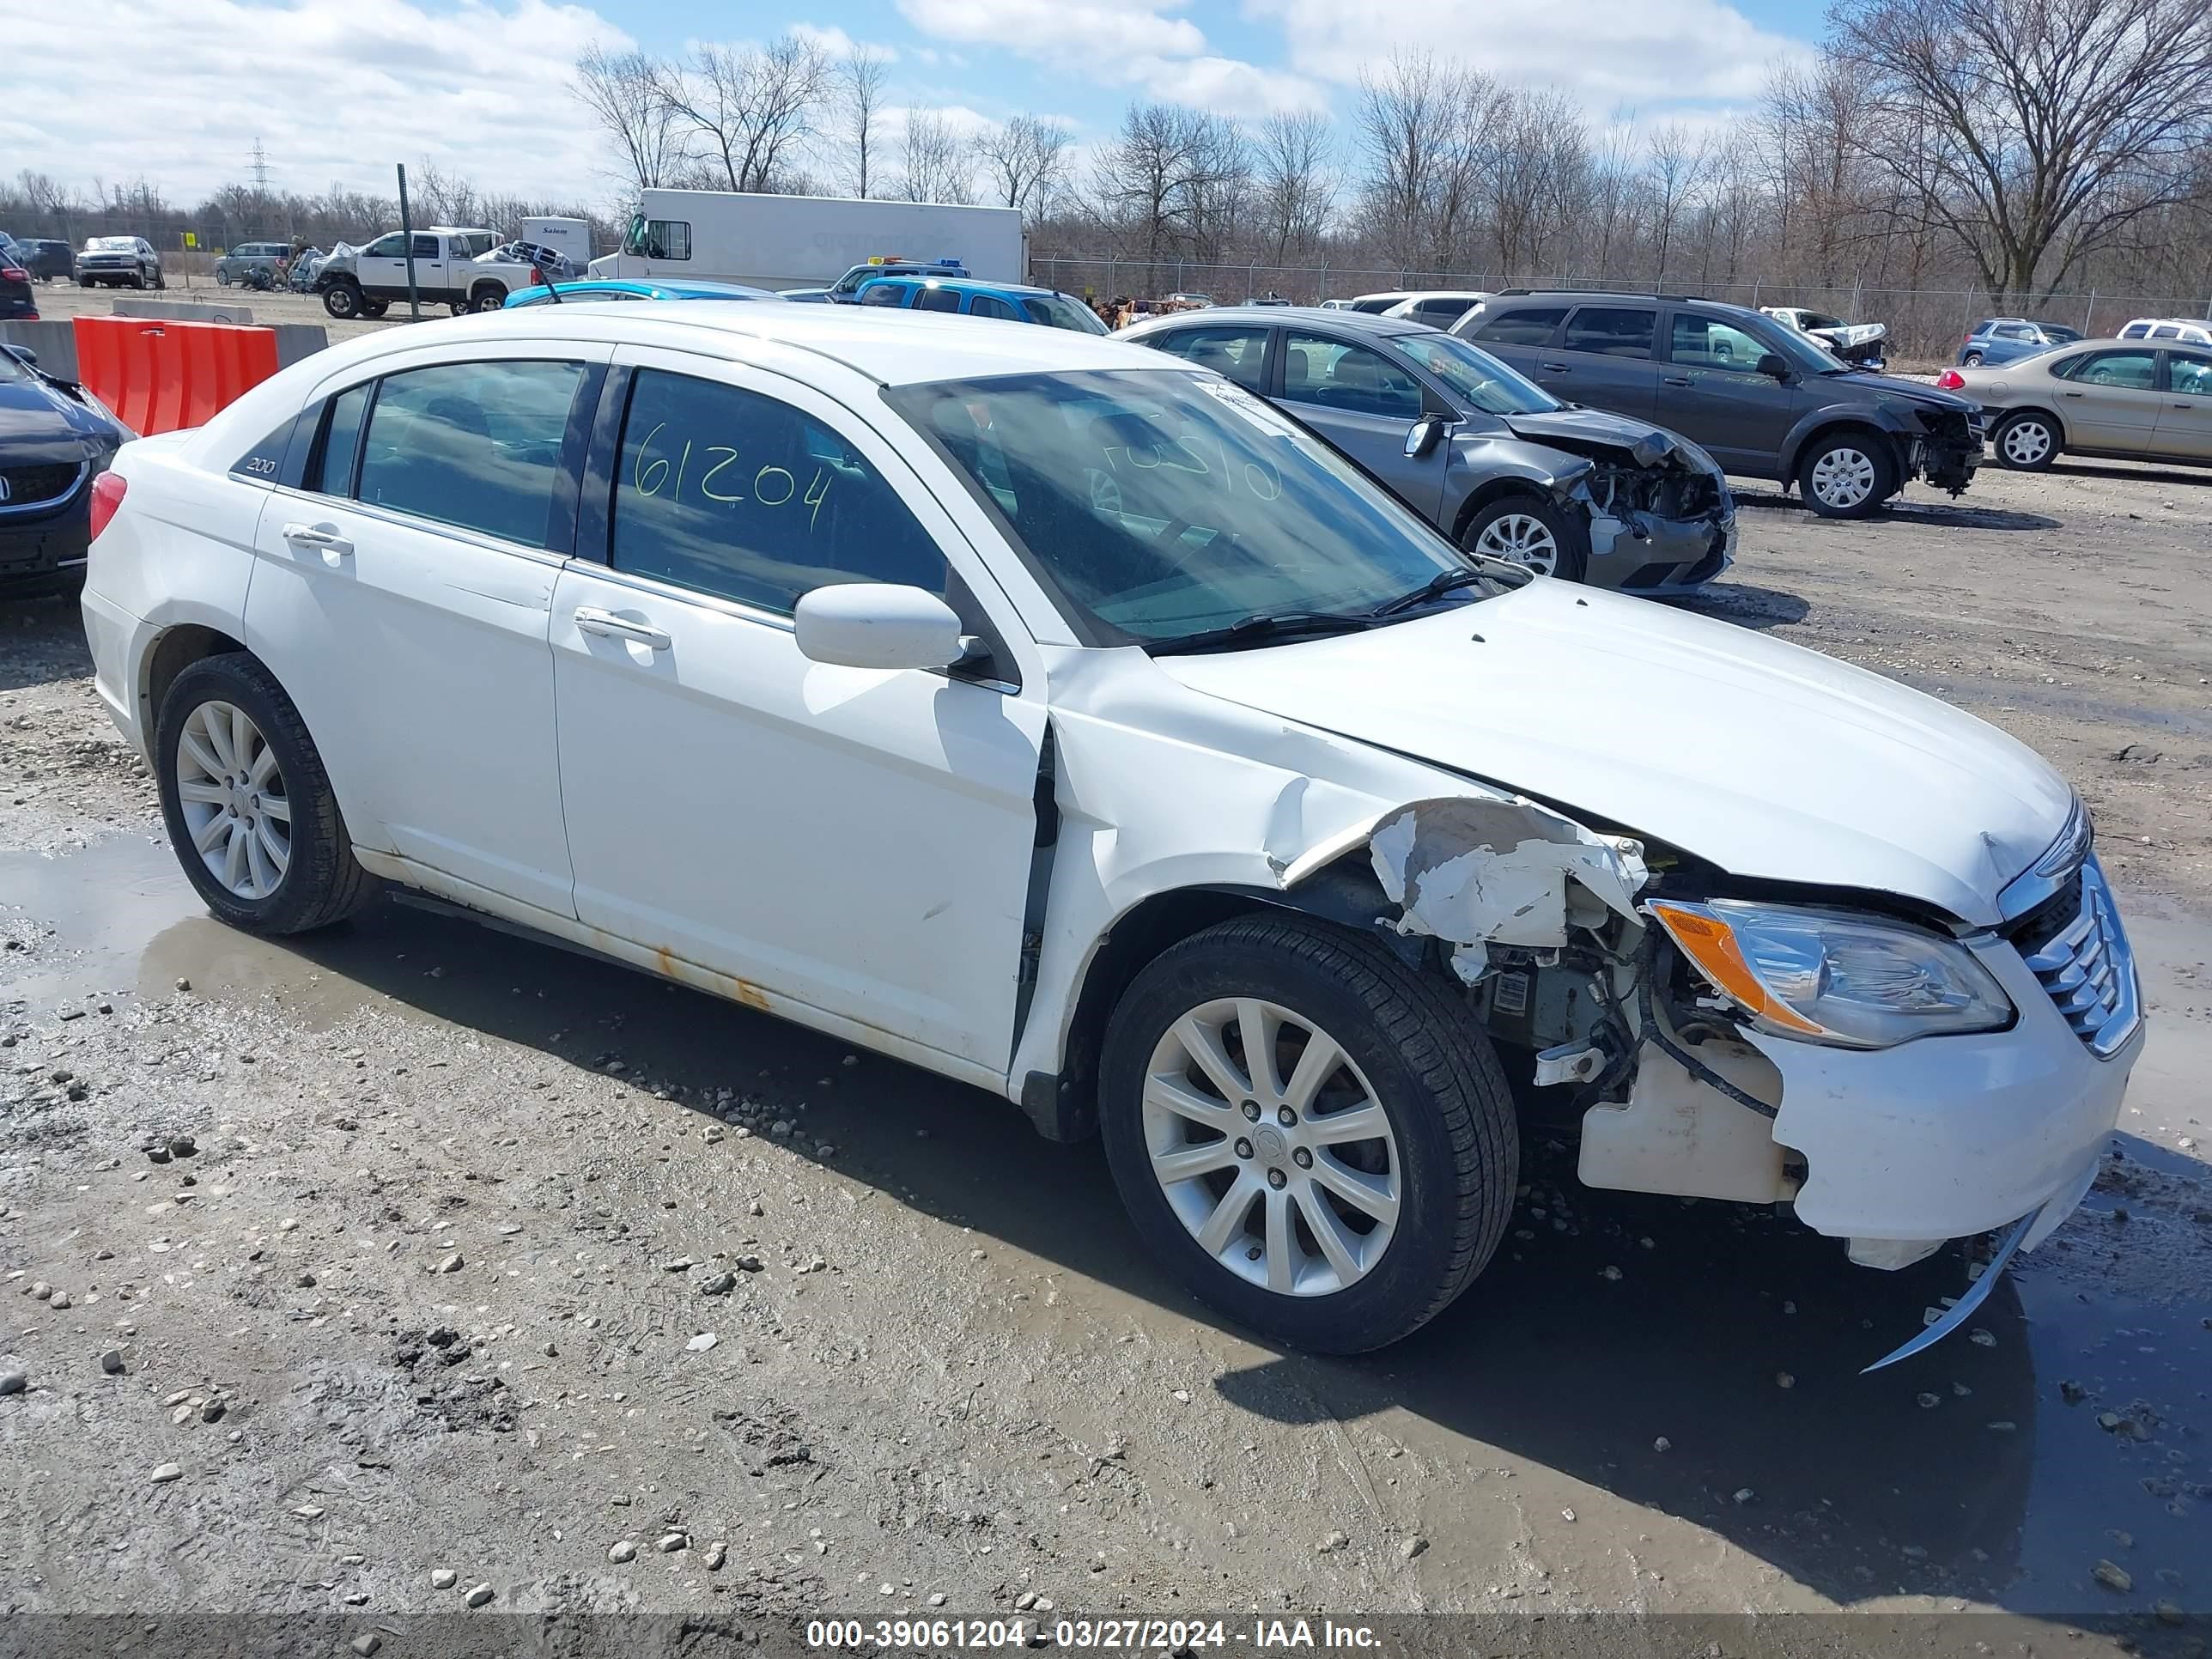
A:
{"x":1154,"y":768}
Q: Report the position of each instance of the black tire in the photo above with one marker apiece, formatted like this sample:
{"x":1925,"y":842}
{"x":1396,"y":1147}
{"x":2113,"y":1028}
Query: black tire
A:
{"x":343,"y":301}
{"x":488,"y":298}
{"x":1881,"y":456}
{"x":84,"y":282}
{"x":373,"y":309}
{"x":1571,"y":538}
{"x":2017,"y":431}
{"x":221,"y":277}
{"x":1430,"y":1065}
{"x":1971,"y":359}
{"x":323,"y":883}
{"x":160,"y":280}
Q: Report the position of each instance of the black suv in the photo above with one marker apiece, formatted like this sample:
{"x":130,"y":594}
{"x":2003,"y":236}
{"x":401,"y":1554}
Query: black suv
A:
{"x":1763,"y":399}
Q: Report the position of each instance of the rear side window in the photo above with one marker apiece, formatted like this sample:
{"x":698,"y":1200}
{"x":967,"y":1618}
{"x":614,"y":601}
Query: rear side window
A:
{"x":337,"y":452}
{"x":2189,"y":373}
{"x":983,"y":305}
{"x":727,"y":492}
{"x":1238,"y":353}
{"x":1531,"y":326}
{"x":476,"y":444}
{"x":938,"y":299}
{"x":426,"y":247}
{"x":1439,"y":314}
{"x":1611,"y":332}
{"x":884,"y":293}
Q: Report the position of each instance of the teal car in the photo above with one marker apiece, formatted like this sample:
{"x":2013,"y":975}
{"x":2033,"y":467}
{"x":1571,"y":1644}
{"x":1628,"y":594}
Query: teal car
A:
{"x":627,"y":288}
{"x":968,"y":296}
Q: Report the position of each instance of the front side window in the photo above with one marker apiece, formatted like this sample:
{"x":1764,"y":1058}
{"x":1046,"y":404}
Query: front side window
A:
{"x":1239,"y":353}
{"x":885,"y":294}
{"x":1334,"y":376}
{"x":1708,"y":343}
{"x":1530,"y":326}
{"x":727,"y":492}
{"x":659,"y":239}
{"x":1058,"y":311}
{"x":1476,"y":376}
{"x":1156,"y":504}
{"x":2189,"y":373}
{"x":476,"y":444}
{"x":1613,"y":330}
{"x":2133,"y":371}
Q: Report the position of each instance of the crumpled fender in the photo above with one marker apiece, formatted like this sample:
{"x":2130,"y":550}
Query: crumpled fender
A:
{"x":1882,"y":417}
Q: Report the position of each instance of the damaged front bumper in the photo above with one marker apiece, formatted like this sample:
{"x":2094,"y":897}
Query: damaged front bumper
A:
{"x":1640,"y":552}
{"x":1949,"y":453}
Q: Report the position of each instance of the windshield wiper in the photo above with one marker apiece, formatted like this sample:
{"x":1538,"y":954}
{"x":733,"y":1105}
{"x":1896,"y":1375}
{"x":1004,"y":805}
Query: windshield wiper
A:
{"x":1268,"y":625}
{"x":1437,"y":586}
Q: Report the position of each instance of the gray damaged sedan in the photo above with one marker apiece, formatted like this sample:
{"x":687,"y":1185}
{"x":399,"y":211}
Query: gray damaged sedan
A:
{"x":1506,"y":469}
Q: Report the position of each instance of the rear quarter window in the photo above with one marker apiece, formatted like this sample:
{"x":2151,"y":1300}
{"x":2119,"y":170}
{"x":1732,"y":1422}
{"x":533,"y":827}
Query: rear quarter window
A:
{"x":1531,"y":326}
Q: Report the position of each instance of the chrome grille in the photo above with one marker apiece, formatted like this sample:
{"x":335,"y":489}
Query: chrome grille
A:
{"x":2089,"y":970}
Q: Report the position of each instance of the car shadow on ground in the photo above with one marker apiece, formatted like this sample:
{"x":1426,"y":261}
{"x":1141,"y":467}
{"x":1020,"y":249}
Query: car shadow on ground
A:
{"x":44,"y":638}
{"x":2130,"y":472}
{"x":1606,"y":1323}
{"x":1943,"y":515}
{"x":1745,"y":603}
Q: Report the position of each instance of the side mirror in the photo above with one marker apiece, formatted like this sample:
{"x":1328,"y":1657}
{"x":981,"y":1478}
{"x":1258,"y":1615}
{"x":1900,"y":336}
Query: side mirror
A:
{"x":1423,"y":437}
{"x":877,"y":625}
{"x":1771,"y":364}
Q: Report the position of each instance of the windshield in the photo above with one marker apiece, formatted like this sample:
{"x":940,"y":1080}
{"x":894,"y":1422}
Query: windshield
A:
{"x":1058,"y":311}
{"x":1156,"y":504}
{"x":1475,"y":375}
{"x":109,"y":245}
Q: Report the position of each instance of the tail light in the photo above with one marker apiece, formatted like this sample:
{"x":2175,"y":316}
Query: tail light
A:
{"x":1951,"y":381}
{"x":14,"y":273}
{"x":107,"y":492}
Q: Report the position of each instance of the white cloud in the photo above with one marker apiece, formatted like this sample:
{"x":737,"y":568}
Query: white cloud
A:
{"x":1606,"y":52}
{"x":337,"y":91}
{"x":1137,"y":44}
{"x":837,"y":43}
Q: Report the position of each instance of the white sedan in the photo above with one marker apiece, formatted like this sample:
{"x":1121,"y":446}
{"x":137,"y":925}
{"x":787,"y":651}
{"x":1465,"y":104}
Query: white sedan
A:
{"x":1055,"y":715}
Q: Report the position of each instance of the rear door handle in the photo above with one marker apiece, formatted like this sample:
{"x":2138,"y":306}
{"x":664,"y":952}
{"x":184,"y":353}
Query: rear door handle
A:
{"x":2070,"y":394}
{"x":1554,"y":368}
{"x":590,"y":619}
{"x":1676,"y":379}
{"x":320,"y":537}
{"x":2184,"y":405}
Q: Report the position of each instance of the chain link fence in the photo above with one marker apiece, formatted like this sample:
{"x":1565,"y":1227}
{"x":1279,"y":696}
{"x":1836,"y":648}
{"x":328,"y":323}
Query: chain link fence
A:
{"x":1923,"y":322}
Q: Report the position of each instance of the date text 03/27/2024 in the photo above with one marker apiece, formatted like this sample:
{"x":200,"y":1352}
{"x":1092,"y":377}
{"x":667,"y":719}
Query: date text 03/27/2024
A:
{"x":1164,"y":1636}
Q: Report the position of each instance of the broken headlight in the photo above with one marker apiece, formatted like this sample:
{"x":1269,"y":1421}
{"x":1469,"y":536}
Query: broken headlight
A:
{"x":1855,"y":981}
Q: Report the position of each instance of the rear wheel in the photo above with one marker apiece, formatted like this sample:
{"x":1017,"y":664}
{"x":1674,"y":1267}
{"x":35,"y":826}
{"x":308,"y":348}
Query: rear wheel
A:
{"x":1847,"y":475}
{"x":2027,"y":442}
{"x":1971,"y":359}
{"x":489,"y":299}
{"x":373,"y":308}
{"x":1316,"y":1138}
{"x":248,"y":805}
{"x":222,"y":277}
{"x":1524,"y":530}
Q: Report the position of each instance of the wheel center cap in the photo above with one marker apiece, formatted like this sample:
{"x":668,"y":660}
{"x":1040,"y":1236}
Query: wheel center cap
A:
{"x":1271,"y":1145}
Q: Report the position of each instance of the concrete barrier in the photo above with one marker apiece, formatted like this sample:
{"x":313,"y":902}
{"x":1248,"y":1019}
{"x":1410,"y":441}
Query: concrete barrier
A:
{"x":54,"y":342}
{"x":298,"y":340}
{"x":183,"y":310}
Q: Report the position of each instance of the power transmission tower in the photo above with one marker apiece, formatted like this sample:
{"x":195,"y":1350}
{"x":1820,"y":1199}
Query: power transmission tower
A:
{"x":260,"y":169}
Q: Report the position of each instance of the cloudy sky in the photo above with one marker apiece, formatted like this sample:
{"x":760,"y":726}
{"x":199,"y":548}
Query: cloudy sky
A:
{"x":338,"y":90}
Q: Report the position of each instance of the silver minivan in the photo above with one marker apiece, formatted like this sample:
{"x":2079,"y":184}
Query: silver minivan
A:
{"x":233,"y":265}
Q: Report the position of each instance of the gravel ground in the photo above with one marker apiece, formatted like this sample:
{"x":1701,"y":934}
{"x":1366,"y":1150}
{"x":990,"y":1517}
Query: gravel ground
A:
{"x":365,"y":1274}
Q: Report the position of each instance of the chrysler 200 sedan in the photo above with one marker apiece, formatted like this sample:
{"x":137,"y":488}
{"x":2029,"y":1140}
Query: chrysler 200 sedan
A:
{"x":1059,"y":717}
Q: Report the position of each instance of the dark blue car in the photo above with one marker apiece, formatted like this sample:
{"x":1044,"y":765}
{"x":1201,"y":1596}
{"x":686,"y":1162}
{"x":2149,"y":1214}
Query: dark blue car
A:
{"x":54,"y":438}
{"x":1998,"y":340}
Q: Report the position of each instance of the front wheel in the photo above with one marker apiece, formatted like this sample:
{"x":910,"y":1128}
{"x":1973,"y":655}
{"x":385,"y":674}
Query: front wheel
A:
{"x":1848,"y":475}
{"x":2027,"y":442}
{"x":1524,"y":530}
{"x":248,"y":804}
{"x":343,"y":301}
{"x":1315,"y":1137}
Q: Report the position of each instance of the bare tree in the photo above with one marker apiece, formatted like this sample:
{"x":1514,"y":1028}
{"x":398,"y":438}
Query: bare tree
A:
{"x":1293,"y":182}
{"x":1172,"y":181}
{"x":934,"y":163}
{"x":1814,"y":123}
{"x":1420,"y":124}
{"x":624,"y":93}
{"x":2033,"y":132}
{"x":753,"y":108}
{"x":1536,"y":162}
{"x":1026,"y":162}
{"x":1674,"y":167}
{"x":859,"y":78}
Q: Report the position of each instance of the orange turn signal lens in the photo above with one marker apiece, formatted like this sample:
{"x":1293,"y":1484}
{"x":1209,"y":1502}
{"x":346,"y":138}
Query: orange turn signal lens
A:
{"x":1710,"y":945}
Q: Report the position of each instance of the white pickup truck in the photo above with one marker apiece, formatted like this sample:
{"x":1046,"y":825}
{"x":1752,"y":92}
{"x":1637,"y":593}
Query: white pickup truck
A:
{"x":450,"y":270}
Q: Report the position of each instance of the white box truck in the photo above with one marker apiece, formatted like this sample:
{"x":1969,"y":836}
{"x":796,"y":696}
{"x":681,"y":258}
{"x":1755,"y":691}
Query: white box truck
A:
{"x":804,"y":241}
{"x":570,"y":237}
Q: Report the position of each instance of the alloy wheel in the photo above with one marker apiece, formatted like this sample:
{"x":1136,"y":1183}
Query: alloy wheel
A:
{"x":236,"y":807}
{"x":1271,"y":1147}
{"x":1520,"y":538}
{"x":2027,"y":442}
{"x":1844,"y":477}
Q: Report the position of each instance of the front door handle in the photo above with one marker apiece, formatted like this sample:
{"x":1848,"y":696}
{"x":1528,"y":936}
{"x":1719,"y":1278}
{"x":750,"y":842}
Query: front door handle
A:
{"x":1554,"y":368}
{"x":321,"y":536}
{"x":590,"y":619}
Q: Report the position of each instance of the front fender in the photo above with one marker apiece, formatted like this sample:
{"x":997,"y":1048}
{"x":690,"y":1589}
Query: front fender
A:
{"x":1828,"y":416}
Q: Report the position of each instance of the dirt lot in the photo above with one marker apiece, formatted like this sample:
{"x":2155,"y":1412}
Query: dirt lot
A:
{"x":480,"y":1264}
{"x":59,"y":300}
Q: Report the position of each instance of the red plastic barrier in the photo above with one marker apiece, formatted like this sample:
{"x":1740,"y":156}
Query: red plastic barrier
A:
{"x":158,"y":375}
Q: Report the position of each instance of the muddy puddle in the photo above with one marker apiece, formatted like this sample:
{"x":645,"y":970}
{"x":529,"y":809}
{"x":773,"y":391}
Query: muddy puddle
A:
{"x":1646,"y":1402}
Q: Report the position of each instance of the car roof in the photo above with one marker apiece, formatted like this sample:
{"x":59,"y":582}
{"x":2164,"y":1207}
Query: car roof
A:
{"x":892,"y":349}
{"x":683,"y":288}
{"x":1346,"y":322}
{"x":967,"y":284}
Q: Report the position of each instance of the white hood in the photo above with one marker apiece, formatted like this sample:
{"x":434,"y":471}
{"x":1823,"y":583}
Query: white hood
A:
{"x":1764,"y":758}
